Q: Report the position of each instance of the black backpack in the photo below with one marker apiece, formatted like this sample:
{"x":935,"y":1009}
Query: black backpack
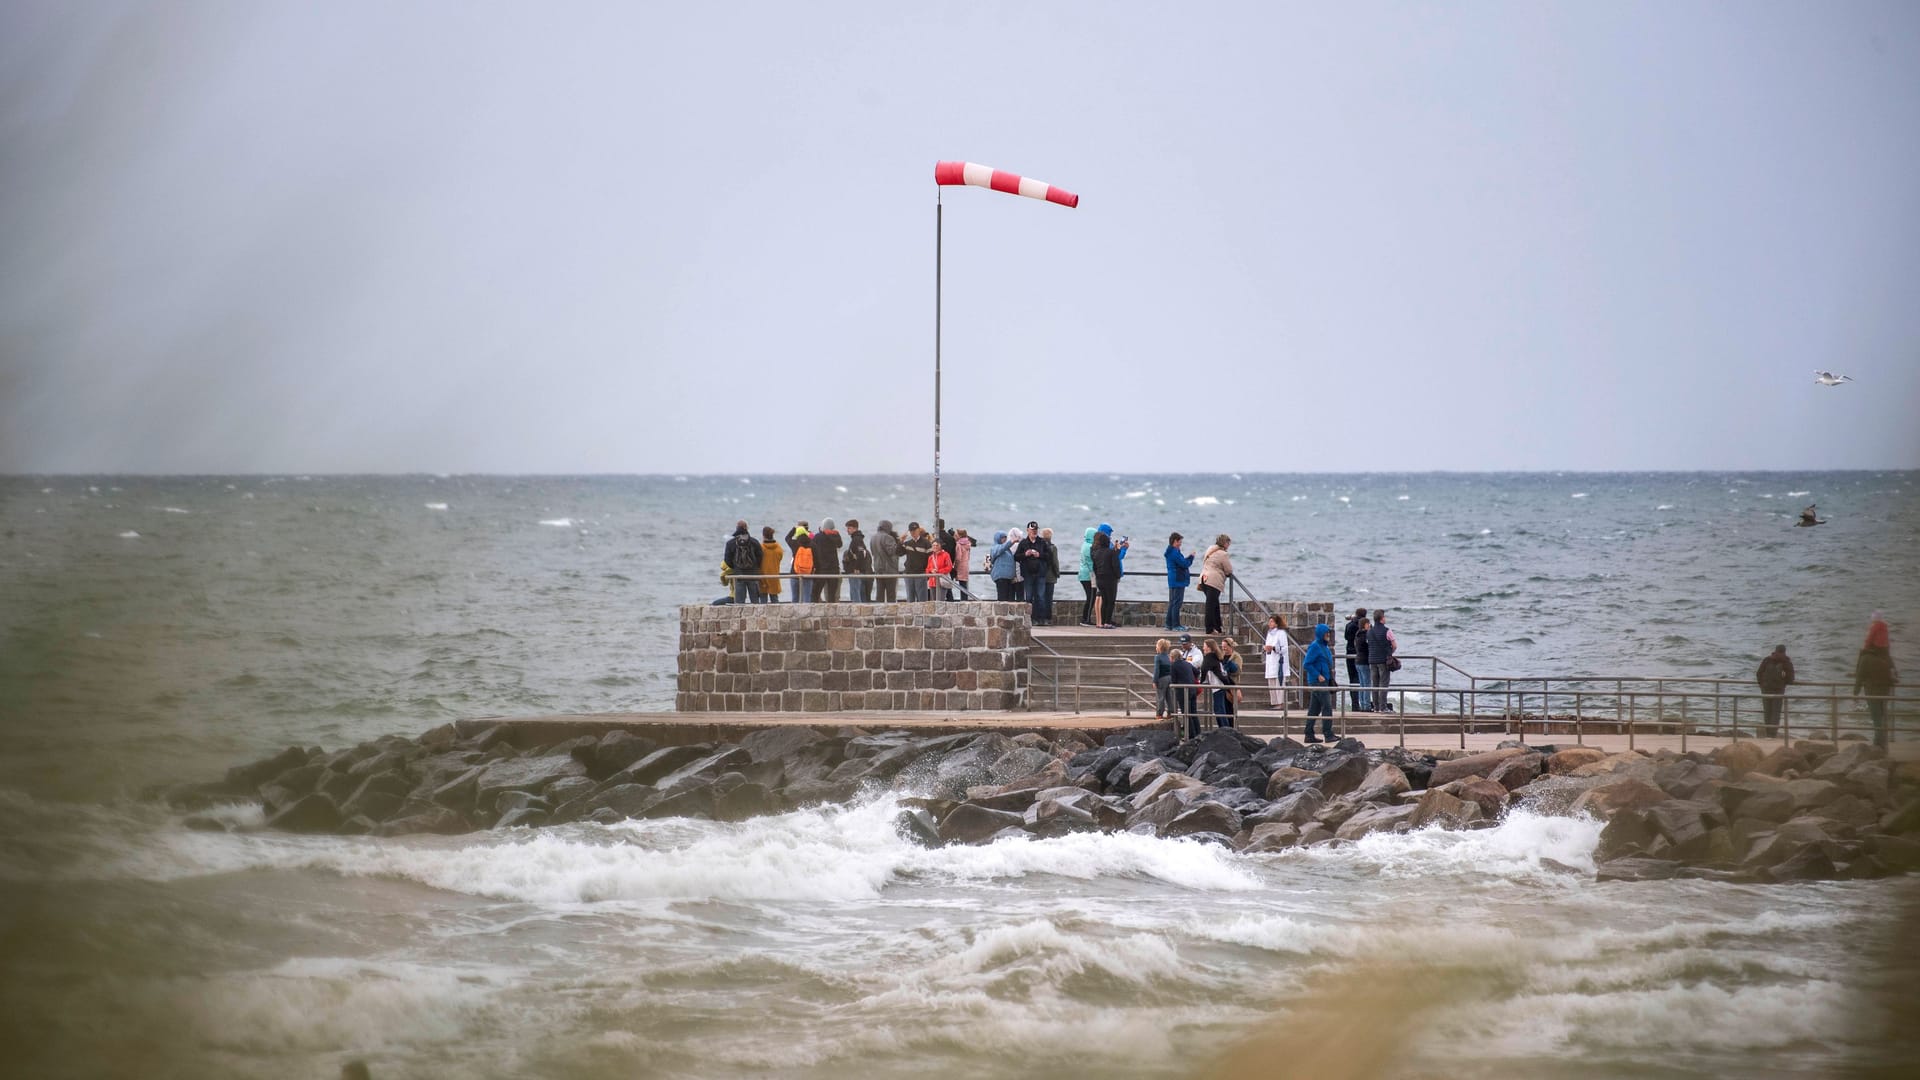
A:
{"x":743,"y":554}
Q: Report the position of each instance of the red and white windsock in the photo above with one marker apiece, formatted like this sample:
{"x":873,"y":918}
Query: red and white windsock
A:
{"x":949,"y":173}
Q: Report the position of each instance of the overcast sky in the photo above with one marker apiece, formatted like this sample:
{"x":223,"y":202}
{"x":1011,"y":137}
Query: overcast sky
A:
{"x":630,"y":237}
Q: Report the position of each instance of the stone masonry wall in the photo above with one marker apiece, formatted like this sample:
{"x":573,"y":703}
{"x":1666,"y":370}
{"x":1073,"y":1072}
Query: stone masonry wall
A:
{"x":960,"y":657}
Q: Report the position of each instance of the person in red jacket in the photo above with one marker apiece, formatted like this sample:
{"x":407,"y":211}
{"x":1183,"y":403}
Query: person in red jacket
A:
{"x":939,"y":565}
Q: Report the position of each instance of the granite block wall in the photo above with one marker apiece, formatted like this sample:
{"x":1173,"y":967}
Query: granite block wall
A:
{"x":960,"y":657}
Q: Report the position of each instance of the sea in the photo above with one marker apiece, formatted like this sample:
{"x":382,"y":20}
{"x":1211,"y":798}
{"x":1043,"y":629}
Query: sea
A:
{"x":156,"y":630}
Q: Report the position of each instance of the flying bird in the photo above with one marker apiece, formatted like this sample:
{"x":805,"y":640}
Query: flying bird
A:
{"x":1828,"y":378}
{"x":1807,"y":518}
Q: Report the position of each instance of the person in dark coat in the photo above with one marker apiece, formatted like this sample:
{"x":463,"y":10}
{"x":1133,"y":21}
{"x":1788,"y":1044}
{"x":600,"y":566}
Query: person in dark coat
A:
{"x":886,"y":560}
{"x":1380,"y":650}
{"x":915,"y":550}
{"x":1317,"y":670}
{"x":1185,"y":693}
{"x":1106,"y":580}
{"x":826,"y":560}
{"x":1359,"y":663}
{"x":1034,"y":555}
{"x":742,"y":557}
{"x":1873,"y":672}
{"x":858,"y":560}
{"x":1353,"y":667}
{"x":1774,"y":675}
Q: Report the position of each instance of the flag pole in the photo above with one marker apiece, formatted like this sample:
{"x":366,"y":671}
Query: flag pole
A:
{"x":934,"y":526}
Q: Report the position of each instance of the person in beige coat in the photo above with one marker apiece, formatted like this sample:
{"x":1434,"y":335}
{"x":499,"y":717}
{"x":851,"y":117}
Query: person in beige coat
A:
{"x":1215,"y":568}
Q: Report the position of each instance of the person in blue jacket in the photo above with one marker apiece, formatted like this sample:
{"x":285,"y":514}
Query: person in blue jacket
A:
{"x":1179,"y":574}
{"x":1000,"y":565}
{"x":1317,"y":669}
{"x":1086,"y":576}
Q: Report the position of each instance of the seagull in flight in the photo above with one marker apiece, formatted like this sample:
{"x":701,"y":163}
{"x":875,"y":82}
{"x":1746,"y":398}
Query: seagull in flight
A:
{"x":1828,"y":378}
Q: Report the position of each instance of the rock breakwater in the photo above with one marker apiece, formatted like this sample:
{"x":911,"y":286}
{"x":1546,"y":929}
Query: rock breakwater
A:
{"x":1743,"y":812}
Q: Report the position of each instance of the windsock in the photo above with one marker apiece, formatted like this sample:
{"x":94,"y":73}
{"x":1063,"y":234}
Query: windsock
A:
{"x":949,"y":173}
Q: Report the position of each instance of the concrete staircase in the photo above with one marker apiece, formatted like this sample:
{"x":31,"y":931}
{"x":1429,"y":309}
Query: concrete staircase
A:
{"x":1103,"y":678}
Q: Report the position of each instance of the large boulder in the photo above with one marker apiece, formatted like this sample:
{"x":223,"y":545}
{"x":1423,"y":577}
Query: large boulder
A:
{"x":1811,"y":794}
{"x":1280,"y":835}
{"x":428,"y":819}
{"x":1630,"y":762}
{"x":1739,"y":757}
{"x":659,"y":763}
{"x":1383,"y":783}
{"x":1785,"y":759}
{"x":1204,"y":817}
{"x":315,"y":813}
{"x":1565,"y":761}
{"x":625,"y":800}
{"x":1446,"y":772}
{"x":1297,"y":808}
{"x":1436,"y":807}
{"x":780,"y":743}
{"x":1285,"y":777}
{"x":1845,"y":759}
{"x":1376,"y":819}
{"x":1685,"y":824}
{"x":1517,"y":771}
{"x":738,"y":802}
{"x":243,"y":779}
{"x":523,"y":774}
{"x":614,"y":751}
{"x":1637,"y":869}
{"x":1608,"y":799}
{"x":1491,"y":797}
{"x":1164,"y":784}
{"x":1344,"y":777}
{"x":970,"y":824}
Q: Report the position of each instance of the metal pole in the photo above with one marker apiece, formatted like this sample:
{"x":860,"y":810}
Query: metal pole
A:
{"x":938,"y":231}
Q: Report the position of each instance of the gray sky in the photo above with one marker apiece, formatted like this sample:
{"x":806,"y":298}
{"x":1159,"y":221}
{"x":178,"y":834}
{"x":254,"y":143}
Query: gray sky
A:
{"x":506,"y":237}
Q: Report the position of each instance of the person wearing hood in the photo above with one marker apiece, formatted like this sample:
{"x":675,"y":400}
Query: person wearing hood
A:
{"x":1179,"y":575}
{"x":770,"y":557}
{"x":826,"y":560}
{"x":886,"y":560}
{"x":1086,"y":576}
{"x":800,"y":542}
{"x":1873,"y":672}
{"x":859,"y":560}
{"x":1106,"y":580}
{"x":1000,"y":563}
{"x":1317,"y":670}
{"x":916,"y":549}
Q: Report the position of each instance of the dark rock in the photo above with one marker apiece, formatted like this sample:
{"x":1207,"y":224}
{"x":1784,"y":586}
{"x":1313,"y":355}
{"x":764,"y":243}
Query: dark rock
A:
{"x":1491,"y":797}
{"x":705,"y":769}
{"x":1270,"y":836}
{"x":625,"y":800}
{"x":1759,"y":800}
{"x":1295,"y":809}
{"x":1204,"y":817}
{"x":1784,"y":759}
{"x":1807,"y":864}
{"x":433,"y":819}
{"x":614,"y":751}
{"x":742,"y":801}
{"x":315,"y":813}
{"x":1351,"y":745}
{"x":969,"y":824}
{"x":385,"y":761}
{"x":522,"y":817}
{"x":1376,"y":819}
{"x":780,"y":743}
{"x":1627,"y":833}
{"x":1437,"y":807}
{"x":1846,"y":759}
{"x":919,"y":827}
{"x":1460,"y":768}
{"x":1344,"y":777}
{"x":244,"y":779}
{"x":1313,"y":833}
{"x":1632,"y":869}
{"x":1518,"y":771}
{"x":1898,"y":853}
{"x":691,"y":798}
{"x":1157,"y":813}
{"x":459,"y":793}
{"x":523,"y":774}
{"x":1904,"y":821}
{"x":660,"y":763}
{"x":516,"y":800}
{"x":357,"y":826}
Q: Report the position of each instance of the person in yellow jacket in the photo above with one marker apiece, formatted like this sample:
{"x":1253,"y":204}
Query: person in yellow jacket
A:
{"x":770,"y":566}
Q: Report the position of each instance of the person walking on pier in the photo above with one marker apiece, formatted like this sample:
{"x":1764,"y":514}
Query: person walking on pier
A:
{"x":1380,"y":650}
{"x":1354,"y":626}
{"x":915,"y":550}
{"x":743,"y":564}
{"x":1179,"y":576}
{"x":859,"y":560}
{"x":800,"y":542}
{"x":1774,"y":675}
{"x":1317,"y":668}
{"x":770,"y":556}
{"x":1216,"y":566}
{"x":826,"y":561}
{"x":1086,"y":577}
{"x":1873,"y":672}
{"x":886,"y":562}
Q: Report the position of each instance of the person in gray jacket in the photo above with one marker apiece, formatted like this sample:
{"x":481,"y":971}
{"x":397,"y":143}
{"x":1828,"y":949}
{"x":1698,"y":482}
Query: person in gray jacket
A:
{"x":886,"y":560}
{"x":1380,"y":650}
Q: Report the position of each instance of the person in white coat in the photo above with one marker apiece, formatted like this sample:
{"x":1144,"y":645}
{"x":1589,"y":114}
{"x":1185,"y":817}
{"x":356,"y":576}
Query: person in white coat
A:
{"x":1275,"y":652}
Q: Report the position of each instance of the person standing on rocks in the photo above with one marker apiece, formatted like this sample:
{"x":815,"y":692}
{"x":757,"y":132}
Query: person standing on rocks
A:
{"x":1179,"y":576}
{"x":915,"y":550}
{"x":1774,"y":675}
{"x":826,"y":561}
{"x":1354,"y":626}
{"x":770,"y":557}
{"x":886,"y":561}
{"x":1317,"y":669}
{"x":1380,"y":650}
{"x":742,"y":558}
{"x":1873,"y":672}
{"x":1216,"y":566}
{"x":859,"y":560}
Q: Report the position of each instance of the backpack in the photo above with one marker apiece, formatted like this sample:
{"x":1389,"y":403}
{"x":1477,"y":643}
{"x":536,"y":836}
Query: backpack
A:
{"x":803,"y":561}
{"x":743,"y":554}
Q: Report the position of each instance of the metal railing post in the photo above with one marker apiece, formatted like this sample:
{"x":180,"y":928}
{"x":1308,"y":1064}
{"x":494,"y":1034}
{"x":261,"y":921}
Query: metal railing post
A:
{"x":1683,"y":724}
{"x":1786,"y":724}
{"x":1632,"y":703}
{"x":1579,"y":698}
{"x":1833,"y":715}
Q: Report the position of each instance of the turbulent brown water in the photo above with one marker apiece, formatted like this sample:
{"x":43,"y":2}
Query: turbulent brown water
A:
{"x":249,"y":613}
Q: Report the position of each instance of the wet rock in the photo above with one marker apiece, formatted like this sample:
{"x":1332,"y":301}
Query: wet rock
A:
{"x":1313,"y":833}
{"x":624,"y":800}
{"x":1608,"y":799}
{"x":1518,"y":771}
{"x":919,"y":827}
{"x":660,"y":763}
{"x":614,"y":751}
{"x":1020,"y":761}
{"x":1383,"y":783}
{"x":1338,"y":812}
{"x":1296,"y":809}
{"x":1685,"y":824}
{"x":431,"y":819}
{"x":1809,"y":794}
{"x":970,"y":824}
{"x":1161,"y":785}
{"x":1739,"y":757}
{"x":1204,"y":817}
{"x":703,"y":770}
{"x":1275,"y":836}
{"x":568,"y":787}
{"x":1897,"y":853}
{"x":1565,"y":761}
{"x":522,"y":774}
{"x":1344,"y":777}
{"x":1627,"y":833}
{"x":1845,"y":759}
{"x":1158,"y":813}
{"x":1059,"y":816}
{"x":1635,"y":869}
{"x":1144,"y":773}
{"x":1688,"y":779}
{"x":1904,"y":821}
{"x":780,"y":743}
{"x":742,"y":801}
{"x":1436,"y":807}
{"x":1460,"y":768}
{"x":1376,"y":819}
{"x":993,"y":798}
{"x":244,"y":779}
{"x":1491,"y":797}
{"x":525,"y":817}
{"x":315,"y":813}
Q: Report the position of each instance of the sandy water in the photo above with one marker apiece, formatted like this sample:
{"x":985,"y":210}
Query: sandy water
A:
{"x":248,"y":613}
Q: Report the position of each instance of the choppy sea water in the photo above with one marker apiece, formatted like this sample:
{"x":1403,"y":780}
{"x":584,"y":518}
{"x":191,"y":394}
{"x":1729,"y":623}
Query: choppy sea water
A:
{"x":154,"y":630}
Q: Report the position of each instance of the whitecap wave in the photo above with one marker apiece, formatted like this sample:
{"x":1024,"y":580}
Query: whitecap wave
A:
{"x":436,"y":506}
{"x":558,"y":523}
{"x":1203,"y":500}
{"x":129,"y":535}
